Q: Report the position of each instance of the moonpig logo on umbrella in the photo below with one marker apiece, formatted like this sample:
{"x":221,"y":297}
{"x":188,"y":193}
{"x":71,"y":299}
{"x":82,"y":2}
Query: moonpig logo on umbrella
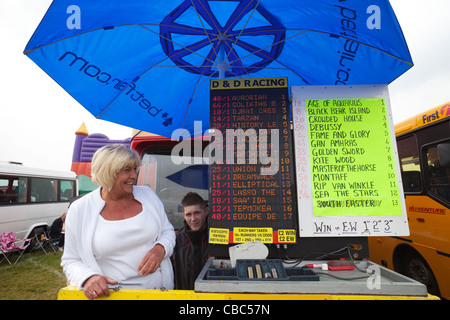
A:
{"x":211,"y":40}
{"x":129,"y":89}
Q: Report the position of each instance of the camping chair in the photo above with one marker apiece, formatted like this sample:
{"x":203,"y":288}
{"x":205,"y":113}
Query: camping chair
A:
{"x":10,"y":244}
{"x":42,"y":240}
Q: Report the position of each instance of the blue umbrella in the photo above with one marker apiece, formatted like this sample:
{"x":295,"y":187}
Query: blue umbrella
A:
{"x":147,"y":64}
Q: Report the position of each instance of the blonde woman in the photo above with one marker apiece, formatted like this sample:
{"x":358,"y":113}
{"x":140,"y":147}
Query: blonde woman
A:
{"x":118,"y":234}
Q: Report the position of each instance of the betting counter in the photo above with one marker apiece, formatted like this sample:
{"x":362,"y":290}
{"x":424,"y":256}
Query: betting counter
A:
{"x":220,"y":281}
{"x":310,"y":175}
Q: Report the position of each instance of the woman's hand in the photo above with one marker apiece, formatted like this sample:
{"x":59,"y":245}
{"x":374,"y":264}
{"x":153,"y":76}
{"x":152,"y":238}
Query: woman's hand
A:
{"x":97,"y":286}
{"x":152,"y":260}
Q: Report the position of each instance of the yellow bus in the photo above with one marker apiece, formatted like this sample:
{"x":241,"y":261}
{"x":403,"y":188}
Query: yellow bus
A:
{"x":423,"y":144}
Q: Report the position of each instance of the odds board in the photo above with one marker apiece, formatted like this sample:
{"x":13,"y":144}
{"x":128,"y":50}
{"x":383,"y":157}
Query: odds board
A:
{"x":251,"y":174}
{"x":347,"y":168}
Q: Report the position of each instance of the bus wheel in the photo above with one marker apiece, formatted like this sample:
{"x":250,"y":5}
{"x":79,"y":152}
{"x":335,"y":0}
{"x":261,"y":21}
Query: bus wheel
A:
{"x":417,"y":269}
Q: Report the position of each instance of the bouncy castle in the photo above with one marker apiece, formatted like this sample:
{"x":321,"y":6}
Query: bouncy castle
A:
{"x":86,"y":145}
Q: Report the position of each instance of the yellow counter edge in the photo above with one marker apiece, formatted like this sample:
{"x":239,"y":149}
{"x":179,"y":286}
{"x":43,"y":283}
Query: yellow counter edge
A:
{"x":72,"y":293}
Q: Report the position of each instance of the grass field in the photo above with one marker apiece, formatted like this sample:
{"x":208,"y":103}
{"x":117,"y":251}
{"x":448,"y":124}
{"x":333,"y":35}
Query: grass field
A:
{"x":36,"y":276}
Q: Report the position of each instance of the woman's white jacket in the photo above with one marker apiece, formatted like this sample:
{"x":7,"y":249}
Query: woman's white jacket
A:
{"x":78,"y":260}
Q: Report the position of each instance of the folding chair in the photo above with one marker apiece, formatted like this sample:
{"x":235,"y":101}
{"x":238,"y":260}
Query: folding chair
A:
{"x":10,"y":244}
{"x":42,"y":239}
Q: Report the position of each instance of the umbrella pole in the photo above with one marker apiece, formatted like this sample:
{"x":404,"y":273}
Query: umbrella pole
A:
{"x":221,"y":67}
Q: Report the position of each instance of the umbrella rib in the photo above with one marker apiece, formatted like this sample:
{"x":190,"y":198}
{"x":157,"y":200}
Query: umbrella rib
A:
{"x":287,"y":68}
{"x":84,"y":32}
{"x":273,"y":44}
{"x":142,"y":25}
{"x":174,"y":42}
{"x":359,"y":42}
{"x":62,"y":39}
{"x":232,"y":23}
{"x":203,"y":26}
{"x":140,"y":75}
{"x":327,"y":33}
{"x":243,"y":28}
{"x":176,"y":26}
{"x":192,"y":98}
{"x":212,"y":17}
{"x":262,"y":53}
{"x":107,"y":106}
{"x":239,"y":60}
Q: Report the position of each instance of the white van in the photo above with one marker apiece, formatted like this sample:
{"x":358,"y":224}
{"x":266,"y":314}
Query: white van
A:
{"x":32,"y":198}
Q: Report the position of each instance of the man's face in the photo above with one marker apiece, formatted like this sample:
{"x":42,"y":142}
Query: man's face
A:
{"x":195,"y":216}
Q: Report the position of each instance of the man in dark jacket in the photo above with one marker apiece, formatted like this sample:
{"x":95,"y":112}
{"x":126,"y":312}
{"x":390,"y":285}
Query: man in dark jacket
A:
{"x":190,"y":253}
{"x":57,"y":230}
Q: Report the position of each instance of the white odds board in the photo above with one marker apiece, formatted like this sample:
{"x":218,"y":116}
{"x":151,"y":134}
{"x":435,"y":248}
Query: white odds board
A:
{"x":347,"y":168}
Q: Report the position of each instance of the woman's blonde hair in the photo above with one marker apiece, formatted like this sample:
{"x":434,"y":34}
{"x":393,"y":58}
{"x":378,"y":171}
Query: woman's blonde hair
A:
{"x":109,"y":160}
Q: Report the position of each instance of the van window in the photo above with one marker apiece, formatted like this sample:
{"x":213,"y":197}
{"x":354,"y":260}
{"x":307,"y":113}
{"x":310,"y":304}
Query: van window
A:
{"x":13,"y":189}
{"x":67,"y":190}
{"x":43,"y":190}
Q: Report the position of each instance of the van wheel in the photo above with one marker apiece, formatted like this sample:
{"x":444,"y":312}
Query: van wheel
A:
{"x":417,"y":268}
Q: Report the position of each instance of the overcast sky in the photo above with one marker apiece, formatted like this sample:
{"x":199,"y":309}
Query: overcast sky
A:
{"x":39,"y":119}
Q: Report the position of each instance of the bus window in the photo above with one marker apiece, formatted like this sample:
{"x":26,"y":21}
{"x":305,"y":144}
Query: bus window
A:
{"x":43,"y":190}
{"x":444,"y":154}
{"x":438,"y":175}
{"x":13,"y":189}
{"x":410,"y":164}
{"x":66,"y":190}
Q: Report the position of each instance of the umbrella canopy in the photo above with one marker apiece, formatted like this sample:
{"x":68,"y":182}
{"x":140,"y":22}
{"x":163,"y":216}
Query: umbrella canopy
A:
{"x":147,"y":64}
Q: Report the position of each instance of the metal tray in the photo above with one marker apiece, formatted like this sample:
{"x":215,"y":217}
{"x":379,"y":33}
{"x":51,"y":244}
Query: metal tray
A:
{"x":377,"y":281}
